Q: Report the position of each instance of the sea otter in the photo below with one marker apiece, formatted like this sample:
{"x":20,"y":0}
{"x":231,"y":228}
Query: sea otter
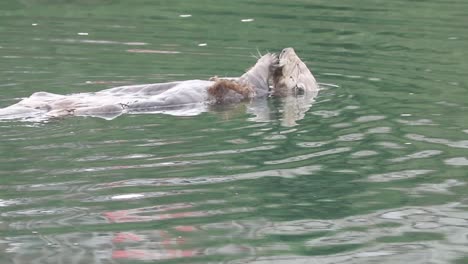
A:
{"x":287,"y":74}
{"x":192,"y":96}
{"x":292,"y":77}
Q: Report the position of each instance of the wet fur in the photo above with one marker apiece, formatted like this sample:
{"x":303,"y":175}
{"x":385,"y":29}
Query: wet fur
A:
{"x":220,"y":89}
{"x":287,"y":73}
{"x":291,"y":76}
{"x":255,"y":82}
{"x":259,"y":75}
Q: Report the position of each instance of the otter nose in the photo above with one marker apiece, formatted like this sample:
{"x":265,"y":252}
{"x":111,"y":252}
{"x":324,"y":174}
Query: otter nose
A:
{"x":299,"y":89}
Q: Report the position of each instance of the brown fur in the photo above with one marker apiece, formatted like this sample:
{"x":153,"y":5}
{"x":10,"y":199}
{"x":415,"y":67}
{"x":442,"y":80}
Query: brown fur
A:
{"x":221,"y":87}
{"x":252,"y":83}
{"x":277,"y":76}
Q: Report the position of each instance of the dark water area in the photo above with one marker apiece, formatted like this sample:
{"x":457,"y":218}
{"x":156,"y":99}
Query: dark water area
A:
{"x":374,"y":172}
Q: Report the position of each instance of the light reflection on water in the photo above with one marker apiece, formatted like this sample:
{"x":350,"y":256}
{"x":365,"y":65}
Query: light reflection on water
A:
{"x":374,"y":171}
{"x":412,"y":233}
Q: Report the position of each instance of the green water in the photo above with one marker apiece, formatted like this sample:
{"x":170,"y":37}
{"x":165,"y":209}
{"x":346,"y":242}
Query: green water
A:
{"x":375,"y":172}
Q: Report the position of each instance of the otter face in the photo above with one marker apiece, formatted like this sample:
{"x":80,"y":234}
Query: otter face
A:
{"x":287,"y":55}
{"x":292,"y":75}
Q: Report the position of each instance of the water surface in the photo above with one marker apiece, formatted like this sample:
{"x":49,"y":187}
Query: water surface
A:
{"x":375,"y":172}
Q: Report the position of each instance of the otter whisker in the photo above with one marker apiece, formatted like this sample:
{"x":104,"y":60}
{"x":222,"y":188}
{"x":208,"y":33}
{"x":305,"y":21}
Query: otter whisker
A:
{"x":259,"y":53}
{"x":253,"y":55}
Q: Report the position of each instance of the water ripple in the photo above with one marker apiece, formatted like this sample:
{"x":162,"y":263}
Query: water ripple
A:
{"x":450,"y":143}
{"x":458,"y":161}
{"x":174,"y":181}
{"x":308,"y":156}
{"x":418,"y":155}
{"x":397,"y":175}
{"x":374,"y":172}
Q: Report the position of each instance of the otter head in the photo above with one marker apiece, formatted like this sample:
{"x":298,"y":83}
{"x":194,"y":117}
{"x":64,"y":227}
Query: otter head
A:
{"x":292,"y":77}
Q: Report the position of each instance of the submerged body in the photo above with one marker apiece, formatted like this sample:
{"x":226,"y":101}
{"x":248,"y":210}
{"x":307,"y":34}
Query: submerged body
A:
{"x":106,"y":104}
{"x":111,"y":102}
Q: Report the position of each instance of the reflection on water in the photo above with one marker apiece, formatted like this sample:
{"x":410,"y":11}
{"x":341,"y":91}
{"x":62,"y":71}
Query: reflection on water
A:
{"x":389,"y":236}
{"x":371,"y":171}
